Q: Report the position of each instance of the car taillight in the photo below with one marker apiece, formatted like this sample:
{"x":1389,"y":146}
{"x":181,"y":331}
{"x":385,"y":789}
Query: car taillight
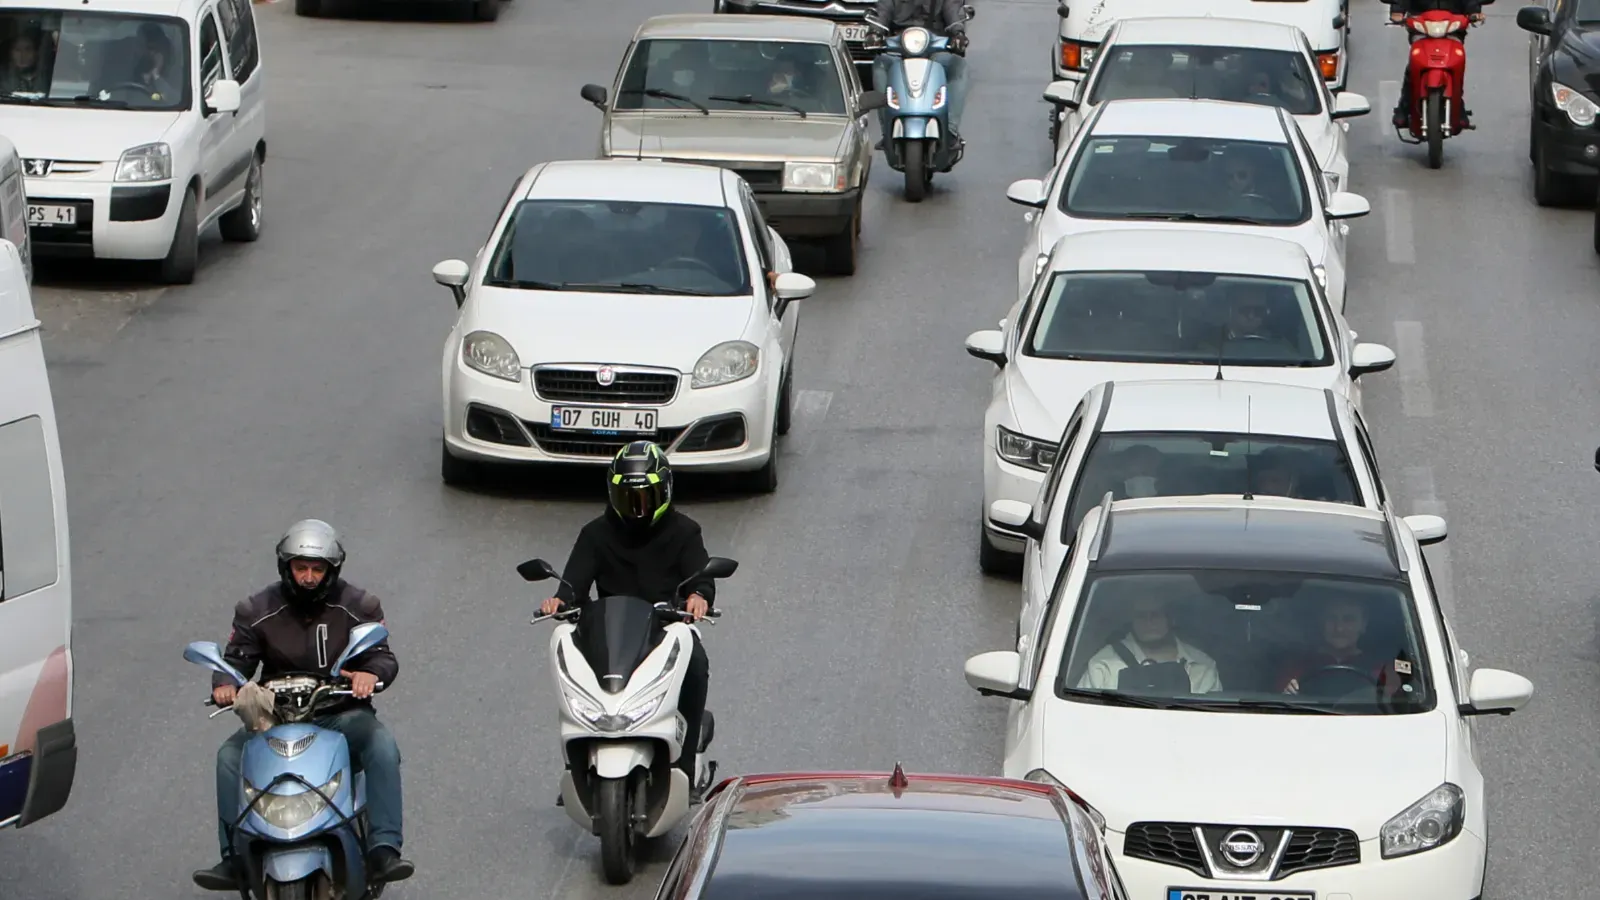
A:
{"x":1328,"y":63}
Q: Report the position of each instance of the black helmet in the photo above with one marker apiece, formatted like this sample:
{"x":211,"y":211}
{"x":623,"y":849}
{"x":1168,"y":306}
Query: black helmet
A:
{"x":639,"y":484}
{"x":310,"y":539}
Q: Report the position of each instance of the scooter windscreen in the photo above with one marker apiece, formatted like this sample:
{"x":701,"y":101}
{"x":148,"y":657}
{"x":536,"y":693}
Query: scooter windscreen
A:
{"x":615,"y":634}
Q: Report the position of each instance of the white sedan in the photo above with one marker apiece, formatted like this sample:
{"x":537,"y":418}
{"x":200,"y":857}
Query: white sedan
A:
{"x":1205,"y":58}
{"x":621,"y":300}
{"x":1194,"y":164}
{"x":1128,"y":305}
{"x":1259,"y":699}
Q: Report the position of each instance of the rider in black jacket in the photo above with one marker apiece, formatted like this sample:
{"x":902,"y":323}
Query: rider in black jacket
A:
{"x":642,"y":547}
{"x":1398,"y":11}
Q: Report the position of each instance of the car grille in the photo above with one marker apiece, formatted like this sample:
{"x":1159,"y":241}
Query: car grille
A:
{"x":1319,"y":848}
{"x":1178,"y":844}
{"x":580,"y":386}
{"x":1166,"y":842}
{"x":595,"y":445}
{"x":762,"y":181}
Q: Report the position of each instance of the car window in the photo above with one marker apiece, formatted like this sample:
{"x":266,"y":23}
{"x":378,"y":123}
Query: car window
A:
{"x":28,"y":558}
{"x":210,"y":54}
{"x":1179,"y":317}
{"x":1040,"y":645}
{"x":79,"y":59}
{"x":758,"y":76}
{"x":1239,"y":74}
{"x":621,"y":246}
{"x":1188,"y":464}
{"x":1236,"y":638}
{"x":1063,"y":454}
{"x":1310,"y":157}
{"x":239,"y":29}
{"x":1365,"y":443}
{"x":1191,"y":178}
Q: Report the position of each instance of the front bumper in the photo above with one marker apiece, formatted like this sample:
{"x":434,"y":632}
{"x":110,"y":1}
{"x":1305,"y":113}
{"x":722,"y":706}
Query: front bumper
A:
{"x":1006,"y":481}
{"x":796,"y":215}
{"x":1567,"y":149}
{"x":37,"y":784}
{"x":859,"y":53}
{"x":114,"y":221}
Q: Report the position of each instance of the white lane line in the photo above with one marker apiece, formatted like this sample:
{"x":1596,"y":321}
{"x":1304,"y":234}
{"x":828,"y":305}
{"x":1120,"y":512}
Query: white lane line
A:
{"x":810,"y":409}
{"x":1383,"y":116}
{"x":1397,"y":226}
{"x":1419,"y":482}
{"x":1416,"y":396}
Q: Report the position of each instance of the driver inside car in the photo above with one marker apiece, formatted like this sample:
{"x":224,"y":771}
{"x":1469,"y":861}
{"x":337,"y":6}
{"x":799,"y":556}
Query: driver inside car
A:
{"x":1343,"y":623}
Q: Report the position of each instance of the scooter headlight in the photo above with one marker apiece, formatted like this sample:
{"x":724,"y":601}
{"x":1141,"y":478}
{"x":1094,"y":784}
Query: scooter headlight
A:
{"x":290,"y":811}
{"x":582,"y":706}
{"x":914,"y":41}
{"x":1438,"y":29}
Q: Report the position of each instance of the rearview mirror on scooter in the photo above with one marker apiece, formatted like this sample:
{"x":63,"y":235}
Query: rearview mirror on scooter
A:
{"x":209,"y":655}
{"x":968,"y":12}
{"x":537,"y":570}
{"x":363,"y":637}
{"x":873,"y":23}
{"x":715,"y":567}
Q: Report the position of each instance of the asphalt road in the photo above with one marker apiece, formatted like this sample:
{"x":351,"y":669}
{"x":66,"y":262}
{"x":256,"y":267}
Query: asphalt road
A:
{"x":299,"y":376}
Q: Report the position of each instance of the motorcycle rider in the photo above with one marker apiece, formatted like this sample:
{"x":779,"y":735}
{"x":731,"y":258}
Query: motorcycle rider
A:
{"x":943,"y":18}
{"x":1398,"y":11}
{"x":642,"y":547}
{"x":301,"y":624}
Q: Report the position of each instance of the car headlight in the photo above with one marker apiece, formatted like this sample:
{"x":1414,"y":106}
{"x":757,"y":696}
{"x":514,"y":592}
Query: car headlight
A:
{"x":290,"y":811}
{"x":1430,"y":822}
{"x":812,"y":177}
{"x":492,"y":355}
{"x":1018,"y":449}
{"x":1580,"y":109}
{"x":914,"y":40}
{"x":726,"y":363}
{"x":146,"y":162}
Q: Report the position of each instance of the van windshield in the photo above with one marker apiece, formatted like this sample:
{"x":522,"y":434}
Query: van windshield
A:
{"x":93,"y":59}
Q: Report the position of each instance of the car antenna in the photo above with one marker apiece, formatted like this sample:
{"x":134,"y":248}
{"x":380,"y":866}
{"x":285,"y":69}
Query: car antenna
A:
{"x":1249,"y":483}
{"x":1222,"y":345}
{"x":898,"y":781}
{"x":638,"y":154}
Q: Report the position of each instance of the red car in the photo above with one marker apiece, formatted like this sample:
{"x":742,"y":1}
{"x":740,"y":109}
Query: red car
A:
{"x":877,"y":836}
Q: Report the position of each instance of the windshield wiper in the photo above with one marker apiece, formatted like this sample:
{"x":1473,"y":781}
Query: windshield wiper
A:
{"x":1270,"y":706}
{"x":751,"y":100}
{"x":660,"y":94}
{"x":523,"y":284}
{"x":1198,"y":217}
{"x":90,"y":98}
{"x":628,"y":287}
{"x":22,"y":97}
{"x":1112,"y":698}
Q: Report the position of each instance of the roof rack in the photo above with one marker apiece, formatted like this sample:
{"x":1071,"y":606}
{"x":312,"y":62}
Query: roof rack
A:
{"x":1102,"y":529}
{"x":1397,"y":555}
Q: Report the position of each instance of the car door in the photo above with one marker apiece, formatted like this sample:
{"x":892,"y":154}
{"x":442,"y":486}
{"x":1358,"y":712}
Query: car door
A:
{"x":216,"y":129}
{"x":1337,"y":232}
{"x":1370,"y":456}
{"x":244,"y":67}
{"x":1042,"y":559}
{"x":771,"y":259}
{"x":1021,"y":717}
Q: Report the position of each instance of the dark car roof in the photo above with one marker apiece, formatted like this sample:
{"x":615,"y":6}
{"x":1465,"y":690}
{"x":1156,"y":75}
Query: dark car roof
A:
{"x":805,"y":837}
{"x":1337,"y":540}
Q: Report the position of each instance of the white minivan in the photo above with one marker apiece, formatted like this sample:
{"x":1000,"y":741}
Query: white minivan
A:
{"x":139,"y":122}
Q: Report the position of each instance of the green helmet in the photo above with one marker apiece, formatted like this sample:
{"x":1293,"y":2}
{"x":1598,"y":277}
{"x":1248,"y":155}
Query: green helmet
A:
{"x":639,"y":484}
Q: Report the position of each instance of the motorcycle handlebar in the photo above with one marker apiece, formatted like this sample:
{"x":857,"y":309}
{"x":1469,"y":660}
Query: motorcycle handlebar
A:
{"x":663,"y":609}
{"x":336,"y":692}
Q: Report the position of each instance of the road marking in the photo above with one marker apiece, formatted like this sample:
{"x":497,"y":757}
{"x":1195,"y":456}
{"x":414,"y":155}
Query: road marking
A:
{"x":810,"y":409}
{"x":1397,"y":226}
{"x":1388,"y":99}
{"x":1419,"y":483}
{"x":1416,"y":396}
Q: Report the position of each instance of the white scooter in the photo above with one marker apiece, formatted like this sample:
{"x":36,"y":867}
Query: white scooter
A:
{"x":620,"y":663}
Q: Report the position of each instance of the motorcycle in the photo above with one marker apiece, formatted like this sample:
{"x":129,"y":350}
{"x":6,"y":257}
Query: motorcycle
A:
{"x":302,"y":831}
{"x":619,"y":663}
{"x":1437,"y":68}
{"x":918,"y":143}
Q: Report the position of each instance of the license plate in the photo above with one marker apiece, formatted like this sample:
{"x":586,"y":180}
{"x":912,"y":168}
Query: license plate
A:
{"x":52,"y":215}
{"x":1210,"y":894}
{"x":854,"y":33}
{"x":615,"y":421}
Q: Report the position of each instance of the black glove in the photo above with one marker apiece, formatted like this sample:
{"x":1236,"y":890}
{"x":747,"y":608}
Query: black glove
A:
{"x":958,"y":43}
{"x":874,"y":40}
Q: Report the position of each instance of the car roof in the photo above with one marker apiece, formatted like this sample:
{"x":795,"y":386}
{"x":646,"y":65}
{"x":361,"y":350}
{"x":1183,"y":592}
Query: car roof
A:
{"x":936,"y":837}
{"x":1230,"y":407}
{"x":711,"y":26}
{"x":1178,"y":249}
{"x":649,"y":180}
{"x":1212,"y":119}
{"x":1262,"y":534}
{"x":1209,"y":31}
{"x":184,"y":9}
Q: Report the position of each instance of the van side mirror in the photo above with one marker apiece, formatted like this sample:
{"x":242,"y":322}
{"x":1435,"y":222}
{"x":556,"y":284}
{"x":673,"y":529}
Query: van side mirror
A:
{"x":1063,"y":10}
{"x":224,"y":97}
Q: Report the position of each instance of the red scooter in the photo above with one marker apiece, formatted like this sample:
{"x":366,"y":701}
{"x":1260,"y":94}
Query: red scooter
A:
{"x":1437,"y":69}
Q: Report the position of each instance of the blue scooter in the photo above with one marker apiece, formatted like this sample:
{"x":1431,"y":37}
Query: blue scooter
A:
{"x":918,"y":143}
{"x":301,"y":832}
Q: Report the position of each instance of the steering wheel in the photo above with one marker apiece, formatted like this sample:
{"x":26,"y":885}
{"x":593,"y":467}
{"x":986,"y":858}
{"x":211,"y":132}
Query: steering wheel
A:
{"x":139,"y":86}
{"x":1249,"y":337}
{"x":689,"y":262}
{"x":1257,"y":197}
{"x":1335,"y":674}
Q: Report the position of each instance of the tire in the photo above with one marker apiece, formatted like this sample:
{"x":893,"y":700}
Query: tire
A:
{"x":839,"y":252}
{"x":243,"y":223}
{"x":1434,"y":124}
{"x":916,"y":165}
{"x":184,"y":256}
{"x":994,"y":561}
{"x":486,"y":10}
{"x":458,"y":472}
{"x":311,"y":9}
{"x":304,"y":889}
{"x":785,"y":416}
{"x":614,"y":820}
{"x":765,"y":479}
{"x":1552,"y":188}
{"x":1597,"y":228}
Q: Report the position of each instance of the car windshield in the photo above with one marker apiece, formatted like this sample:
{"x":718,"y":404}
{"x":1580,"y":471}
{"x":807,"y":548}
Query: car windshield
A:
{"x":94,"y":59}
{"x":1248,"y":642}
{"x":621,"y":246}
{"x":1179,"y":464}
{"x":774,"y":77}
{"x":1197,"y":318}
{"x":1239,"y":74}
{"x":1186,"y":179}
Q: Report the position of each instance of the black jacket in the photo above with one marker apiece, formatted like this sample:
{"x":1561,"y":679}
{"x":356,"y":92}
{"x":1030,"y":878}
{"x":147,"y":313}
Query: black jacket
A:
{"x":269,"y":633}
{"x":611,"y":560}
{"x":1413,"y":7}
{"x":942,"y":17}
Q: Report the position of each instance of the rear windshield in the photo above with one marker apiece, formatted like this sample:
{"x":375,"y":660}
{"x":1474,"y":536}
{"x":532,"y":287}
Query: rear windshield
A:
{"x":1239,"y":74}
{"x":1186,"y":179}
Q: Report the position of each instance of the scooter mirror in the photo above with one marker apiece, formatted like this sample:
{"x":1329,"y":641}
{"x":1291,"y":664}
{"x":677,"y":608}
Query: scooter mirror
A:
{"x":209,"y":655}
{"x":968,"y":12}
{"x":363,"y":637}
{"x":536,"y":570}
{"x":719,"y":567}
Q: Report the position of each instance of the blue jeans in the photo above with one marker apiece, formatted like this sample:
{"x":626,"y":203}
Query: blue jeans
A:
{"x":955,"y":74}
{"x":372,"y":750}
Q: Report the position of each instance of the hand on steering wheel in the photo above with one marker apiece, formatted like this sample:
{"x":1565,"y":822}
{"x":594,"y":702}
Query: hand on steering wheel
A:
{"x":1323,"y":671}
{"x":700,"y":264}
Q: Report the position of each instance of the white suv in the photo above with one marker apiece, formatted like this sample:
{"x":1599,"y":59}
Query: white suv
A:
{"x":126,"y":155}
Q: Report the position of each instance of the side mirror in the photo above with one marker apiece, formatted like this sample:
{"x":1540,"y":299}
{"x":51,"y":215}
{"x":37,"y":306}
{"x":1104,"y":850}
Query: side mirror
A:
{"x":1494,"y":692}
{"x":968,"y":12}
{"x":363,"y":637}
{"x":996,"y":674}
{"x":1427,"y":529}
{"x":209,"y":655}
{"x":453,"y":274}
{"x":1339,"y":20}
{"x":1062,"y":93}
{"x":1347,"y":105}
{"x":719,"y":567}
{"x":223,"y":97}
{"x":537,"y":570}
{"x":987,"y":345}
{"x":1366,"y":359}
{"x":595,"y":94}
{"x":871,"y":100}
{"x":1016,"y":516}
{"x":1535,"y":19}
{"x":792,"y":286}
{"x":1345,"y":205}
{"x":1028,"y":192}
{"x":1063,"y":10}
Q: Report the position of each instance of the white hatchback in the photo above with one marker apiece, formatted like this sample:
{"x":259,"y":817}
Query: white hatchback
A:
{"x":1190,"y":164}
{"x":1259,"y":699}
{"x":1131,"y":305}
{"x":622,"y":300}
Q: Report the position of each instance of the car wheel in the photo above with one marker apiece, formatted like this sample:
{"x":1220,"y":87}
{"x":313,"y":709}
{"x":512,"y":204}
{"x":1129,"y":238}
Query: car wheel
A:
{"x":308,"y":8}
{"x":994,"y":561}
{"x":486,"y":10}
{"x":841,"y":251}
{"x":765,"y":479}
{"x":243,"y":222}
{"x":785,"y":414}
{"x":1552,"y":188}
{"x":184,"y":255}
{"x":457,"y":472}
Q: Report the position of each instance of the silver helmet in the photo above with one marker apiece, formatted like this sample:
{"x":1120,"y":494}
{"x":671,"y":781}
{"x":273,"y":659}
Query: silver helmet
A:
{"x":310,"y":539}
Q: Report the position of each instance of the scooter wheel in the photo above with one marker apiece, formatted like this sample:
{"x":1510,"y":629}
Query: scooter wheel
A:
{"x":614,"y":815}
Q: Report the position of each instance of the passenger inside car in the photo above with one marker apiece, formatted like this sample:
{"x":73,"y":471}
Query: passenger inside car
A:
{"x":1149,"y":658}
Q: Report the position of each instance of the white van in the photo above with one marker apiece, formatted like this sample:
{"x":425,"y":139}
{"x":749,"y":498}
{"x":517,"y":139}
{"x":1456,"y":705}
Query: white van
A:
{"x":1084,"y":24}
{"x":38,"y":745}
{"x":14,"y":204}
{"x":140,"y":122}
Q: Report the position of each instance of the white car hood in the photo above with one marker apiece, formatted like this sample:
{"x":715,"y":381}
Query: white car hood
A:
{"x":81,"y":135}
{"x":627,"y":329}
{"x":1312,"y":18}
{"x":1057,"y":224}
{"x":1352,"y":772}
